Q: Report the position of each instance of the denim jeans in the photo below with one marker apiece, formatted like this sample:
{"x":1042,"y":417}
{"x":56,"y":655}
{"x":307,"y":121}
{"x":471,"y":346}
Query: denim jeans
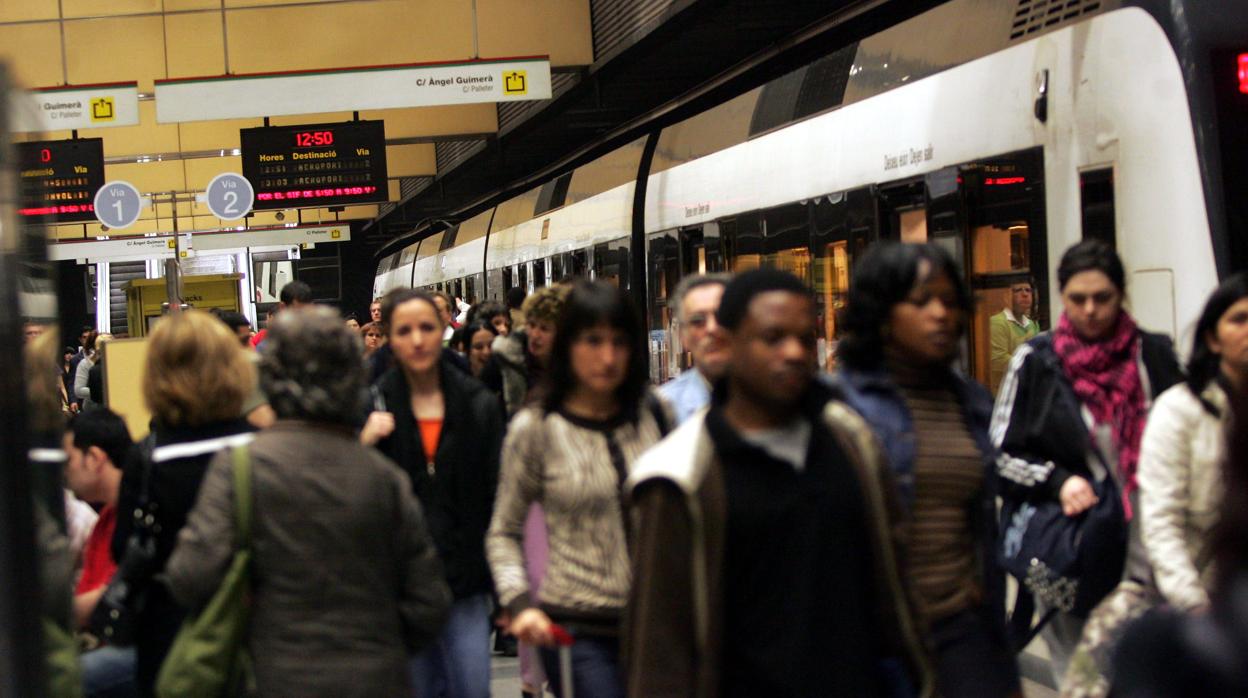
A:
{"x":108,"y":672}
{"x":595,"y":668}
{"x":457,"y":665}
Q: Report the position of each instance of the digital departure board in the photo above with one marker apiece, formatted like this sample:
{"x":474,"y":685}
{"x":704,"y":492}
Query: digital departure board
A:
{"x":316,"y":165}
{"x":59,"y":179}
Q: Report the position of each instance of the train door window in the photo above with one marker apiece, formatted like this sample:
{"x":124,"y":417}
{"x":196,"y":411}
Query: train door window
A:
{"x":903,"y":212}
{"x":539,"y":273}
{"x":576,"y":263}
{"x":786,"y":242}
{"x":1004,"y":200}
{"x":499,"y":281}
{"x":663,"y":272}
{"x":835,"y":242}
{"x":1096,"y":200}
{"x":557,"y":273}
{"x":743,"y":241}
{"x":611,"y":262}
{"x":522,"y":273}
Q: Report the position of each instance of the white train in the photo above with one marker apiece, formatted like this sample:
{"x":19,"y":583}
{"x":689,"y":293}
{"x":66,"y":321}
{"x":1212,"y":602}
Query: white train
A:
{"x":1006,"y":131}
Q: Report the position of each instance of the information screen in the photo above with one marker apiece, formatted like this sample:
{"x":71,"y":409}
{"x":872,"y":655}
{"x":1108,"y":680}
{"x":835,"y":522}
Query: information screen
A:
{"x":316,"y":164}
{"x":59,"y":179}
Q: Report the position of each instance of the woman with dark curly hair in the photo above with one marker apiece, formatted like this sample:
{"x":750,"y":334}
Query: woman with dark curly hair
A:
{"x":347,"y":582}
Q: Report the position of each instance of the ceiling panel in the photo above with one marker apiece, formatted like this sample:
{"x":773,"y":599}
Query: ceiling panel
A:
{"x":200,"y":171}
{"x":418,"y":160}
{"x":195,"y":45}
{"x":33,"y":52}
{"x":176,"y":5}
{"x":214,"y":135}
{"x":317,"y":37}
{"x":253,"y":3}
{"x":558,"y":28}
{"x":395,"y":190}
{"x":149,"y":177}
{"x":95,"y":8}
{"x":27,"y":10}
{"x":124,"y":48}
{"x":436,"y":121}
{"x":146,"y":138}
{"x":321,"y":118}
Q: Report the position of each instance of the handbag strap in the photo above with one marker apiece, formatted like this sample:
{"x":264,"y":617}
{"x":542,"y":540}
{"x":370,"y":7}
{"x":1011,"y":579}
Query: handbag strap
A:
{"x":241,"y":457}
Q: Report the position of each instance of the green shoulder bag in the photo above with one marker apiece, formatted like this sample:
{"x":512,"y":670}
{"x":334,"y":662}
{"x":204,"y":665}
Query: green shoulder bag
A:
{"x":209,"y":658}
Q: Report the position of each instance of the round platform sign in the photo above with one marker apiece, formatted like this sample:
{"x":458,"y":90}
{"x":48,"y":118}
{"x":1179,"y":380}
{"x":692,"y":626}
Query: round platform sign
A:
{"x":230,"y":196}
{"x":118,"y":204}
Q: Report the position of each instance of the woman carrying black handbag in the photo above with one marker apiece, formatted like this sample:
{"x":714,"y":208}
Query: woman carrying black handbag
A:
{"x":1075,"y":401}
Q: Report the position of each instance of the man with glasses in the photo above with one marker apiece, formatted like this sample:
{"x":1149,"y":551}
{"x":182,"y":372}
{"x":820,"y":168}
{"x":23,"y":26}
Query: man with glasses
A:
{"x":696,"y":300}
{"x":1010,"y":328}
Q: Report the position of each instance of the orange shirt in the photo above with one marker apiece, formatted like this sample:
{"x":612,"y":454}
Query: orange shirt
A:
{"x":430,"y":432}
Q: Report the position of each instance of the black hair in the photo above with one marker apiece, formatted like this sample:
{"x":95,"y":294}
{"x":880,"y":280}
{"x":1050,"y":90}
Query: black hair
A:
{"x":100,"y":426}
{"x":350,"y":316}
{"x":739,"y":292}
{"x":234,"y":320}
{"x":487,"y":311}
{"x":883,"y":277}
{"x":589,"y":304}
{"x":1092,"y":255}
{"x":398,"y":297}
{"x":1204,"y":364}
{"x":515,"y":297}
{"x":476,"y":326}
{"x":295,"y":292}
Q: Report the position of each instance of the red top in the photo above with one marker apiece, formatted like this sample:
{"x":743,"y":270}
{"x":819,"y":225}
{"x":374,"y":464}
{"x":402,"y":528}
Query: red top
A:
{"x":98,"y":564}
{"x":259,"y":337}
{"x":430,"y":432}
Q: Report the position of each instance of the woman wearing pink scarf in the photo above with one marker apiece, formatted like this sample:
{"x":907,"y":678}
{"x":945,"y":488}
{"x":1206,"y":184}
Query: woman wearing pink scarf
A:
{"x":1080,"y":395}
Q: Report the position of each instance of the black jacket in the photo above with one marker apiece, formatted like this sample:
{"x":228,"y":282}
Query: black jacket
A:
{"x":459,"y":497}
{"x":178,"y":462}
{"x":1038,"y":420}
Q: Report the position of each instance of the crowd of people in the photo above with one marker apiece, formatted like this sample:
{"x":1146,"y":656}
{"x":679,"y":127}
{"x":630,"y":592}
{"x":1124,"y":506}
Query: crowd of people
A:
{"x":753,"y":527}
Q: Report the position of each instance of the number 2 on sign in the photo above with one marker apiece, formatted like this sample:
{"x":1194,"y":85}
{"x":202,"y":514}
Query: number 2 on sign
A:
{"x":231,"y":203}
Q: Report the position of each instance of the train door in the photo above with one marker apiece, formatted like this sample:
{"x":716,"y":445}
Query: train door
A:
{"x":670,"y":256}
{"x":1006,"y":246}
{"x":989,"y":215}
{"x":842,"y":225}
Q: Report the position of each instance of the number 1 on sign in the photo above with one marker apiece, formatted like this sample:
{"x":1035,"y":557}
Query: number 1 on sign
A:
{"x":121,"y":214}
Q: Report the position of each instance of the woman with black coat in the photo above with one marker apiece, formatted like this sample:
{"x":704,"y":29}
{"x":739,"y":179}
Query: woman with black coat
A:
{"x":445,"y":429}
{"x":195,"y":381}
{"x":1075,"y":400}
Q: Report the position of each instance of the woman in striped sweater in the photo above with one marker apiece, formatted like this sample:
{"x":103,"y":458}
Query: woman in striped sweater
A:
{"x":571,"y":454}
{"x":907,"y":311}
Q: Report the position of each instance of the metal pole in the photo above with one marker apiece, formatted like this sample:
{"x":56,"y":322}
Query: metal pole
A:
{"x":173,"y":266}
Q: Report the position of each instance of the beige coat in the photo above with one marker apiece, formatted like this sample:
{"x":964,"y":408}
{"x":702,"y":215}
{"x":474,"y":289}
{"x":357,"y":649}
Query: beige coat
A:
{"x":346,"y":581}
{"x":1180,"y":482}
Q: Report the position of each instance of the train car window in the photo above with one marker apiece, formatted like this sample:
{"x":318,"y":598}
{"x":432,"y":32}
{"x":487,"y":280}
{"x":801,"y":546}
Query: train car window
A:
{"x":430,"y":245}
{"x":552,"y":194}
{"x":1004,"y":202}
{"x":1096,"y":200}
{"x":522,"y":277}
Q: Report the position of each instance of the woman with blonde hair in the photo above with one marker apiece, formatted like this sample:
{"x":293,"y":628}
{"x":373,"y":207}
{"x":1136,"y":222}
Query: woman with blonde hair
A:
{"x":194,"y":384}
